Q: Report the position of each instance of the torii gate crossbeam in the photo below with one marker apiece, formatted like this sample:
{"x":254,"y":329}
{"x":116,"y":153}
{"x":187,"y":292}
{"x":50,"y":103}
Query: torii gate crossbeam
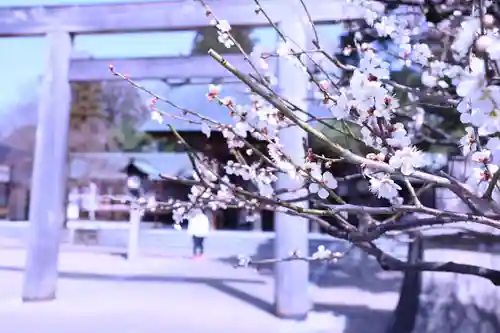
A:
{"x":157,"y":16}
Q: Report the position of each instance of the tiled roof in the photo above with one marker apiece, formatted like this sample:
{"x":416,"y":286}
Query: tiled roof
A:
{"x":111,"y":165}
{"x":193,"y":97}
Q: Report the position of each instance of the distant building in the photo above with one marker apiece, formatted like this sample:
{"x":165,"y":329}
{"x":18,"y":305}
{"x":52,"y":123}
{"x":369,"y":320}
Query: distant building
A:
{"x":106,"y":171}
{"x":166,"y":155}
{"x":193,"y":97}
{"x":169,"y":156}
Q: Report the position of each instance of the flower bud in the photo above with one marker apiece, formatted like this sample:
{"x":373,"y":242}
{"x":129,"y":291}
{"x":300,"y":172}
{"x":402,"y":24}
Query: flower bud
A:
{"x":483,"y":42}
{"x":488,"y":20}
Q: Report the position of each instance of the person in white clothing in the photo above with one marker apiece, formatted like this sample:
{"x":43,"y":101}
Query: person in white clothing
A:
{"x":198,"y":228}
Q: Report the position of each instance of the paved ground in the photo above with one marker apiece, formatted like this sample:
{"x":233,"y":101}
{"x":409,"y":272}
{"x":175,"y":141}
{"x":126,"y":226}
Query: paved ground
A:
{"x":100,"y":293}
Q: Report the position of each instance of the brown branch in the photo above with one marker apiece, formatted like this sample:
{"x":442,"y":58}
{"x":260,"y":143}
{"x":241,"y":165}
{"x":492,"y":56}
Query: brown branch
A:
{"x":491,"y":186}
{"x":392,"y":264}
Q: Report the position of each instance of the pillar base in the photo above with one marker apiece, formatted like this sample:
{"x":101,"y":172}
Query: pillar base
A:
{"x":296,"y":317}
{"x":35,"y":299}
{"x":316,"y":322}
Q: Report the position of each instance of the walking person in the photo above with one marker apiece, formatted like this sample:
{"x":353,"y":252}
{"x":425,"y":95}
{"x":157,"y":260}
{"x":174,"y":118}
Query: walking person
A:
{"x":198,"y":228}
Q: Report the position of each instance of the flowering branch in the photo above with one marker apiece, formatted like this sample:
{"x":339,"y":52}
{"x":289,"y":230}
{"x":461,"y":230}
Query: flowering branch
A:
{"x":455,"y":52}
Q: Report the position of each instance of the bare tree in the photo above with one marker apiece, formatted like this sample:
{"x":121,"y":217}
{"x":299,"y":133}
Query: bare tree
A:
{"x":106,"y":116}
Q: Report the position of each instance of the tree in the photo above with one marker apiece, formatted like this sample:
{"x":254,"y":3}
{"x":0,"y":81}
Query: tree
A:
{"x":454,"y":102}
{"x":126,"y":138}
{"x":105,"y":117}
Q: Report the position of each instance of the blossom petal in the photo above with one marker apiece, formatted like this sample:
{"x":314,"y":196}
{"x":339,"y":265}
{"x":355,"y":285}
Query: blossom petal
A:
{"x":323,"y":194}
{"x":205,"y":129}
{"x":331,"y":182}
{"x":313,"y":188}
{"x":465,"y":87}
{"x":407,"y":169}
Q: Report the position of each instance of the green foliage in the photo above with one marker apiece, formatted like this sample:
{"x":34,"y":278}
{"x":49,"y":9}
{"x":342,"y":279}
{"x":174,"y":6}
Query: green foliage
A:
{"x":126,"y":138}
{"x":436,"y":116}
{"x":344,"y":133}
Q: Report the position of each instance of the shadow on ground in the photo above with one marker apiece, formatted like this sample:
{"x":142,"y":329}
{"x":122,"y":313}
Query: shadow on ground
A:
{"x":358,"y":319}
{"x":356,"y":270}
{"x":143,"y":278}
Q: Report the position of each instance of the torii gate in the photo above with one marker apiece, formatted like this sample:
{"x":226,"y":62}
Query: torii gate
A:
{"x":60,"y":23}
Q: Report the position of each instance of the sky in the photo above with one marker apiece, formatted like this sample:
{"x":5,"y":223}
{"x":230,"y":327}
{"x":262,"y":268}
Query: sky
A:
{"x":22,"y":59}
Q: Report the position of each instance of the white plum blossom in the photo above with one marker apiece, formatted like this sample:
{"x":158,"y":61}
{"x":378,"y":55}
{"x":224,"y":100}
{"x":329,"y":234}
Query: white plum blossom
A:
{"x":399,"y":136}
{"x":242,"y":128}
{"x":284,"y":164}
{"x":389,"y":117}
{"x":407,"y":160}
{"x":438,"y":67}
{"x":157,"y":116}
{"x":421,"y":53}
{"x":372,"y":64}
{"x":482,"y":156}
{"x":313,"y":169}
{"x":225,"y":194}
{"x":223,"y":28}
{"x":379,"y":157}
{"x":405,"y":54}
{"x":284,"y":49}
{"x":322,"y":253}
{"x":370,"y":139}
{"x":385,"y":106}
{"x":386,"y":26}
{"x":435,"y":161}
{"x":480,"y":178}
{"x":342,"y":106}
{"x":494,"y":50}
{"x":465,"y":37}
{"x":228,"y":101}
{"x":366,"y":93}
{"x":327,"y":180}
{"x":371,"y":16}
{"x":265,"y":189}
{"x":384,"y":187}
{"x":474,"y":81}
{"x":468,"y":142}
{"x":178,"y":214}
{"x":222,"y":25}
{"x":454,"y":72}
{"x":246,"y":172}
{"x":483,"y":111}
{"x":232,"y":139}
{"x":198,"y":192}
{"x":205,"y":129}
{"x":493,"y":146}
{"x":213,"y":91}
{"x":225,"y":39}
{"x":429,"y":79}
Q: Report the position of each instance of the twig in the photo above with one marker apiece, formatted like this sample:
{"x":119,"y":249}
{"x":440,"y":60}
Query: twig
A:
{"x":491,"y":186}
